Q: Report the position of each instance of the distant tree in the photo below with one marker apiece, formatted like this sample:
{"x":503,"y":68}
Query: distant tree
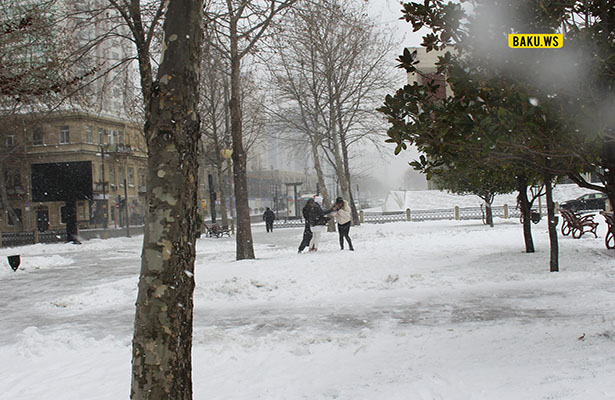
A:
{"x":479,"y":180}
{"x":493,"y":111}
{"x":162,"y":341}
{"x":332,"y":69}
{"x":215,"y":112}
{"x":239,"y":26}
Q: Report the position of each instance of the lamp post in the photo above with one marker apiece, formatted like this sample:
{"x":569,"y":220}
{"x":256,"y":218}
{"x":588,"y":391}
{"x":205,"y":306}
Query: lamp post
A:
{"x":105,"y":216}
{"x":226,"y":154}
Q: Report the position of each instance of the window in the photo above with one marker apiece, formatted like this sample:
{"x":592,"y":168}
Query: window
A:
{"x":10,"y":220}
{"x":131,"y":176}
{"x":37,"y":137}
{"x":82,"y":211}
{"x":63,"y":214}
{"x":12,"y":178}
{"x":9,"y":141}
{"x":108,"y":136}
{"x":141,"y":178}
{"x":64,"y":135}
{"x":100,"y":136}
{"x":120,"y":137}
{"x":111,"y":174}
{"x":121,"y":175}
{"x":89,"y":137}
{"x":101,"y":173}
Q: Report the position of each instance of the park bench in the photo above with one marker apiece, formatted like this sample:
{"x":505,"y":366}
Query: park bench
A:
{"x":216,"y":230}
{"x":609,"y":240}
{"x":577,"y":224}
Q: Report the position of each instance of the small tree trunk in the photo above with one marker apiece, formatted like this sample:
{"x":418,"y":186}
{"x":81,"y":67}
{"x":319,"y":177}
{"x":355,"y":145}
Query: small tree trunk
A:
{"x":488,"y":199}
{"x":526,"y":209}
{"x":554,"y":259}
{"x":489,"y":214}
{"x":162,"y":341}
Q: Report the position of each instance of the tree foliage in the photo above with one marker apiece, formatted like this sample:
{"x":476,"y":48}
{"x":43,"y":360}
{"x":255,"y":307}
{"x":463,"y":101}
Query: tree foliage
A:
{"x":509,"y":108}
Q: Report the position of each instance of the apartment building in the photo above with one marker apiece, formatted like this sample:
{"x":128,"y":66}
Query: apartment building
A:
{"x":114,"y":149}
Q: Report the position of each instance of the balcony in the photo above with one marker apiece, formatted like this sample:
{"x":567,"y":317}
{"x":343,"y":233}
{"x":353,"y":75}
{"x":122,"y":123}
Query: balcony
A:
{"x":119,"y":148}
{"x":15,"y":190}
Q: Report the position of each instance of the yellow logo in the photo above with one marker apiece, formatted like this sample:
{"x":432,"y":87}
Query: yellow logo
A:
{"x":535,"y":41}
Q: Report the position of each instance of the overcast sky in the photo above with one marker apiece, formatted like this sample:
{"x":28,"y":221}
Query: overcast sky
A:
{"x":388,"y":12}
{"x":390,"y":168}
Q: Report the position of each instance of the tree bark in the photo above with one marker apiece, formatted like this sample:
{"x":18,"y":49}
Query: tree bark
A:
{"x":554,"y":258}
{"x":162,"y":342}
{"x":526,"y":209}
{"x":326,"y":199}
{"x":245,"y":246}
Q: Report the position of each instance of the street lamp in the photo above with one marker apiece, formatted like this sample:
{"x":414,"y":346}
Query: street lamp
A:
{"x":105,"y":214}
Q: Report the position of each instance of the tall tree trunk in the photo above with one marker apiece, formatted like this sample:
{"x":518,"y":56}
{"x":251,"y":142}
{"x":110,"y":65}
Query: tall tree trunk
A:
{"x":326,"y":200}
{"x":346,"y":162}
{"x":162,"y":342}
{"x":526,"y":209}
{"x":245,"y":246}
{"x":554,"y":259}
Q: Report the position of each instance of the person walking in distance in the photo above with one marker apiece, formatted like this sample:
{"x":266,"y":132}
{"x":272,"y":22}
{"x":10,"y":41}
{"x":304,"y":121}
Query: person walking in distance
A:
{"x":269,"y":217}
{"x":343,"y":216}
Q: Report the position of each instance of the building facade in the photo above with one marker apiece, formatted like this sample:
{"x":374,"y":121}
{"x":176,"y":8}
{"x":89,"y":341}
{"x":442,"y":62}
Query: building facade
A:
{"x":117,"y":154}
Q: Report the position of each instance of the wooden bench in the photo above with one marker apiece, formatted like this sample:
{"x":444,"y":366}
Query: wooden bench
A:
{"x":577,"y":224}
{"x":609,"y":240}
{"x":216,"y":230}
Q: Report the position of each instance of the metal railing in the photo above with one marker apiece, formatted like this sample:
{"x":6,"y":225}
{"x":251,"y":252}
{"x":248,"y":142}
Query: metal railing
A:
{"x":12,"y":239}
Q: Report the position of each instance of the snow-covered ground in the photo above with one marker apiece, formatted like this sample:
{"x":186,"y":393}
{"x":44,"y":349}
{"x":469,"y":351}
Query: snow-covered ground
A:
{"x":421,"y":310}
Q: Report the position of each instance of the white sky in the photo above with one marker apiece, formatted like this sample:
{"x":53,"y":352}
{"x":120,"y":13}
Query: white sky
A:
{"x":388,"y":13}
{"x":391,"y":168}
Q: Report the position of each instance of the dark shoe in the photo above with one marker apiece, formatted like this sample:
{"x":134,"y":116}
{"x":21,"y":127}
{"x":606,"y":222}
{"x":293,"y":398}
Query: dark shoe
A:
{"x":351,"y":249}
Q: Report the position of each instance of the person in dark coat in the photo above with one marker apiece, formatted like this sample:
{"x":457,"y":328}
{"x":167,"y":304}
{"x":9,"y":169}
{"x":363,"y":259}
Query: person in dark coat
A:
{"x":318,"y":222}
{"x":307,"y":232}
{"x":269,"y":217}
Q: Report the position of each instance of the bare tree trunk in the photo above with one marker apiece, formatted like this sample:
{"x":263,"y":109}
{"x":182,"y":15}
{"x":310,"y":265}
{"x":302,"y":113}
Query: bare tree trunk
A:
{"x":554,"y":258}
{"x":353,"y":207}
{"x":162,"y":342}
{"x":488,"y":199}
{"x":245,"y":246}
{"x":526,"y":209}
{"x":326,"y":200}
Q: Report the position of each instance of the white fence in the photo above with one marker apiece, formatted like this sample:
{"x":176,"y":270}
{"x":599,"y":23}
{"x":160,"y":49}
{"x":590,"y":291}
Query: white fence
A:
{"x":466,"y":213}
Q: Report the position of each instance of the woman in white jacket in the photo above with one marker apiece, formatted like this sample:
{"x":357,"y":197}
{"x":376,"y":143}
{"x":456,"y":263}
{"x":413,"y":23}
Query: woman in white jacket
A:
{"x":343,"y":216}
